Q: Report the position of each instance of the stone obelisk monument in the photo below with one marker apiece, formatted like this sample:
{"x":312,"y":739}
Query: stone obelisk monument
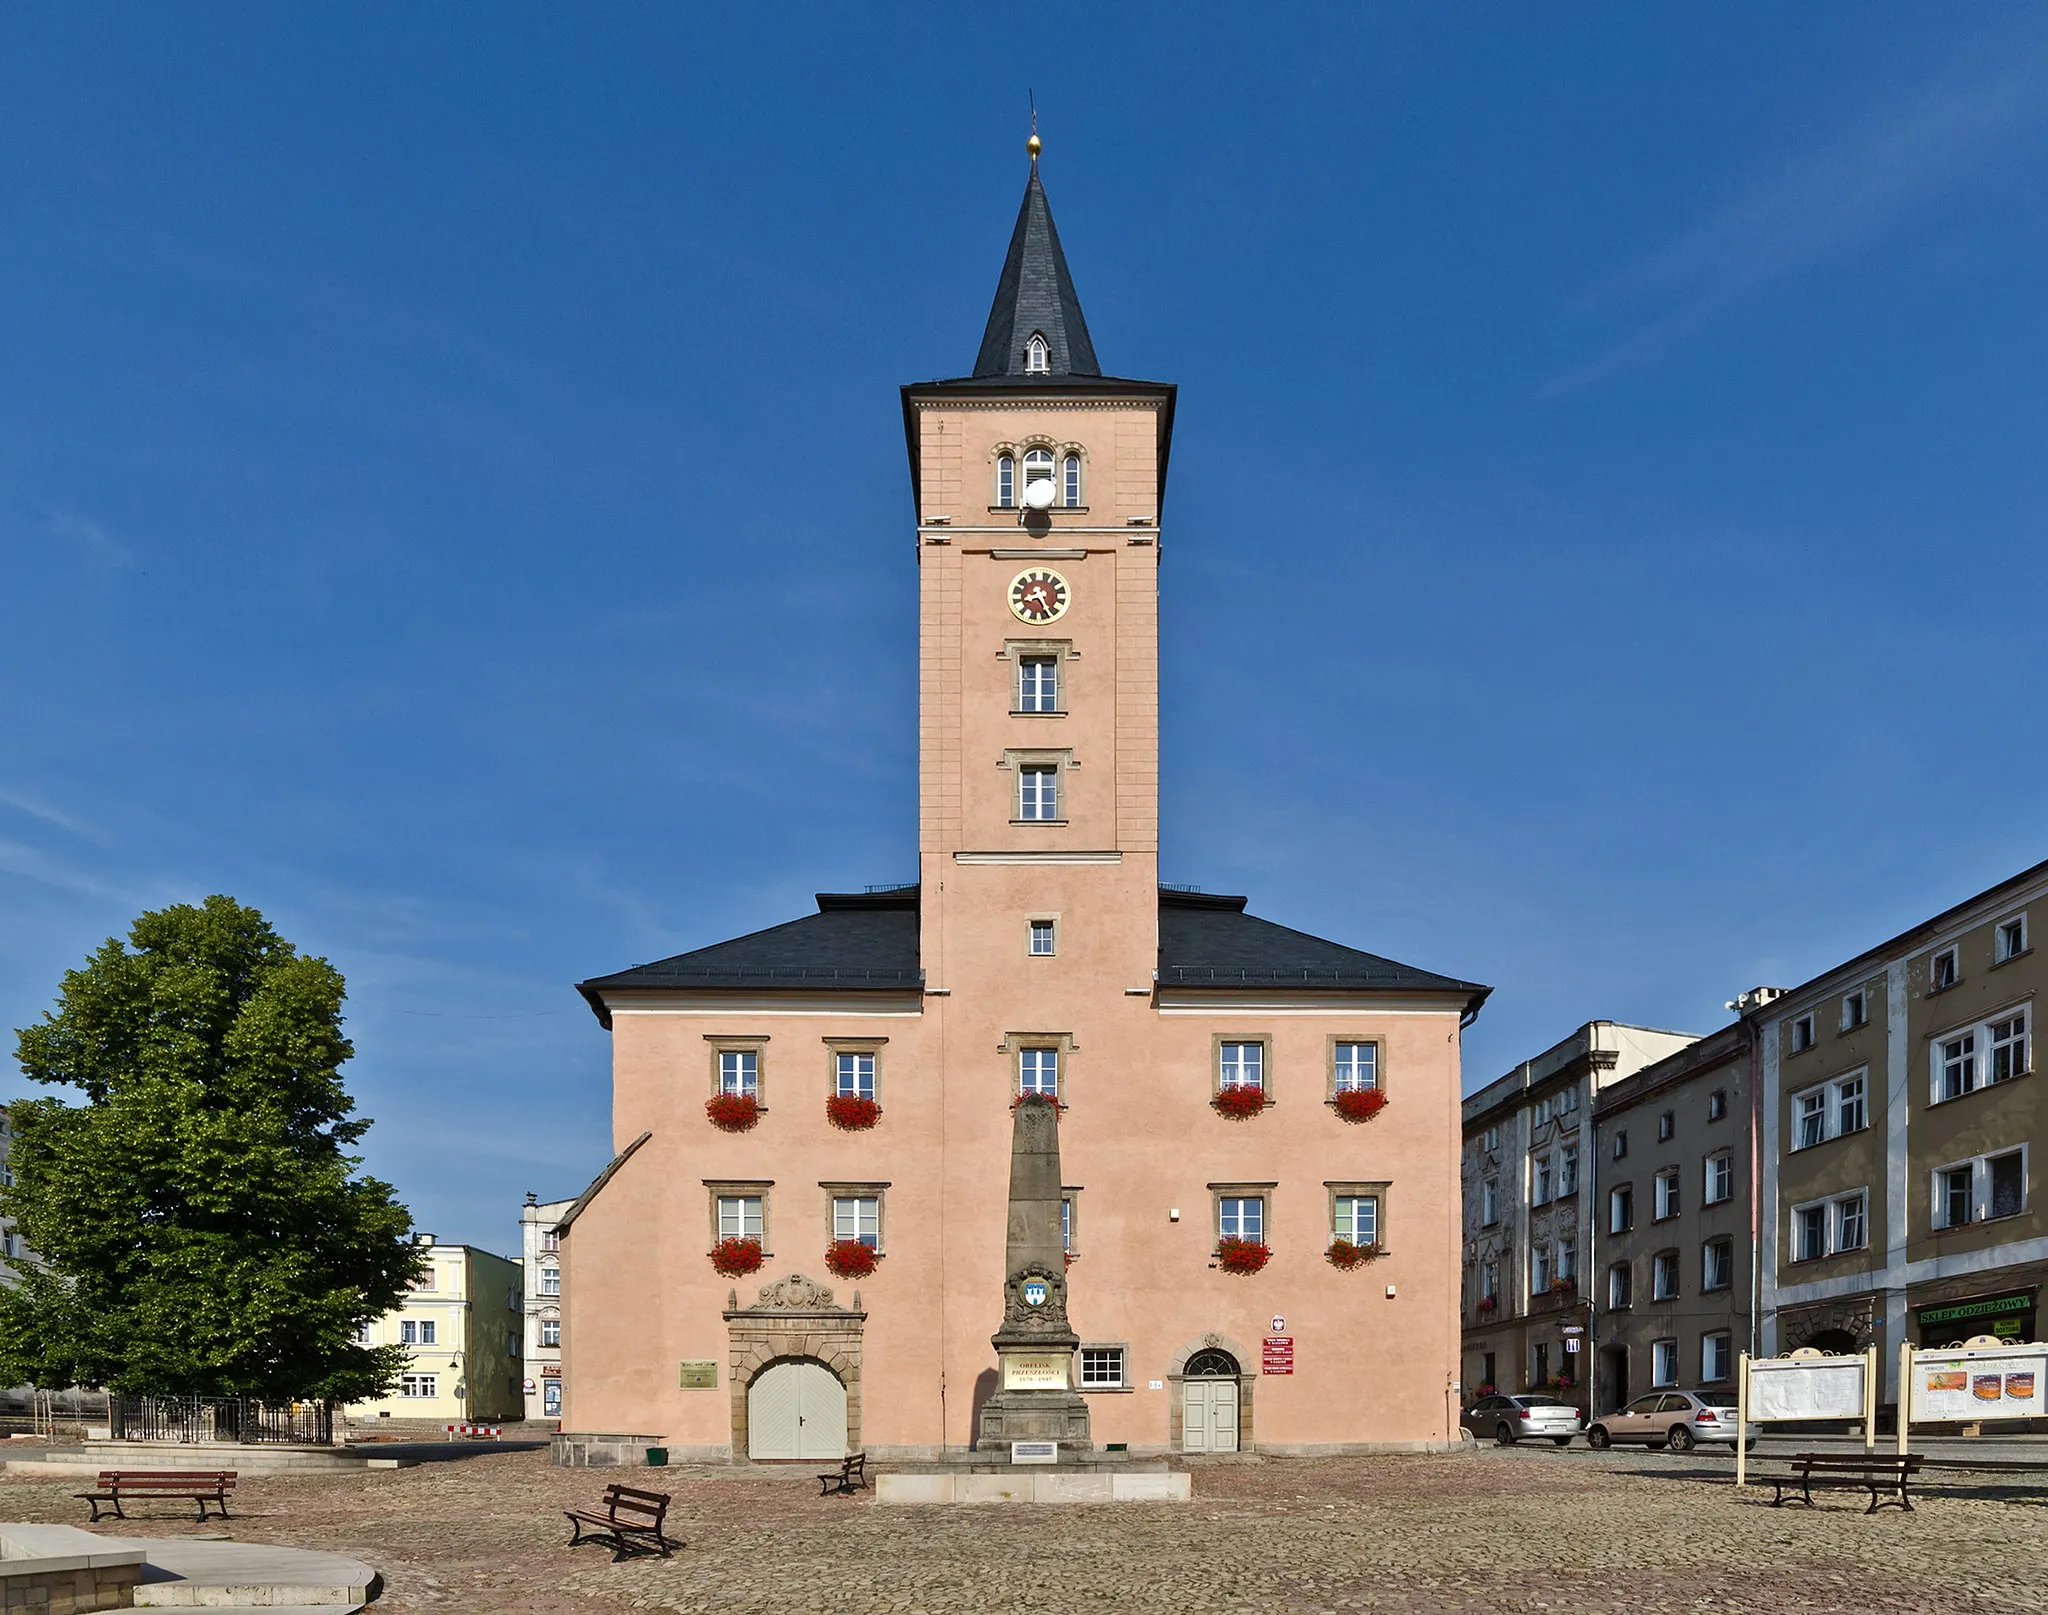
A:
{"x":1035,"y":1399}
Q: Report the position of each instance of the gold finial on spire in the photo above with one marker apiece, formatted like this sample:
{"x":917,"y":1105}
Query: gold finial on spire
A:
{"x":1034,"y":145}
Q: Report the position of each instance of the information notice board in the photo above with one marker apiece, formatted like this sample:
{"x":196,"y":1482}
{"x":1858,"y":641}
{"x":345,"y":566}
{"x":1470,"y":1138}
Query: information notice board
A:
{"x":1806,"y":1388}
{"x":2007,"y":1383}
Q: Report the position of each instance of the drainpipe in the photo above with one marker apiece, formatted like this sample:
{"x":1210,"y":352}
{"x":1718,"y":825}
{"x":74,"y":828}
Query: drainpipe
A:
{"x":1756,"y":1260}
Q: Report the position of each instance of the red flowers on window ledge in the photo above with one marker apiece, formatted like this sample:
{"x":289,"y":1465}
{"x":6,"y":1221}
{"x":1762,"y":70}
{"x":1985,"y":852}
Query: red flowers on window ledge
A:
{"x":1236,"y":1255}
{"x":1346,"y":1255}
{"x":1359,"y":1104}
{"x":852,"y":1113}
{"x":850,"y":1259}
{"x":735,"y":1112}
{"x":736,"y":1258}
{"x":1487,"y":1307}
{"x":1039,"y":1099}
{"x":1240,"y":1104}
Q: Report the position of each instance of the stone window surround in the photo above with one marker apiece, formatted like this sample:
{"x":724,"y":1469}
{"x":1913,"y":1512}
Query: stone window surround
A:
{"x":1015,"y":450}
{"x":736,"y":1042}
{"x":1265,"y":1042}
{"x":1049,"y":917}
{"x":1060,"y":759}
{"x":836,"y":1046}
{"x":1013,"y":1046}
{"x":878,"y":1192}
{"x":1218,"y":1193}
{"x":1127,"y":1388}
{"x":1060,"y":650}
{"x":1070,"y":1196}
{"x":728,"y":1187}
{"x":1377,"y":1189}
{"x":1379,"y":1060}
{"x":1247,"y":1383}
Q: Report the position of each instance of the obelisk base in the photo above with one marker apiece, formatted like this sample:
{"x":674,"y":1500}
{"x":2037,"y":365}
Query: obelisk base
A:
{"x":1035,"y":1401}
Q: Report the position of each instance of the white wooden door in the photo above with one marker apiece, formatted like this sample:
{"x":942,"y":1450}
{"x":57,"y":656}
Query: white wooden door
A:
{"x":1208,"y":1415}
{"x":796,"y":1409}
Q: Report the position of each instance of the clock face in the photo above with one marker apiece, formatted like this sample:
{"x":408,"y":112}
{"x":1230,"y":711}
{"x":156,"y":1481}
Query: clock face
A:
{"x":1038,"y":595}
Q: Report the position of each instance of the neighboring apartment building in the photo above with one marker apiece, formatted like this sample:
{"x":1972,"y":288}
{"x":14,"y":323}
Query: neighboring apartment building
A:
{"x":1672,"y":1160}
{"x":461,"y":1328}
{"x":540,"y":1253}
{"x":11,"y":1248}
{"x":1528,"y":1177}
{"x":1900,"y":1112}
{"x":1037,"y":954}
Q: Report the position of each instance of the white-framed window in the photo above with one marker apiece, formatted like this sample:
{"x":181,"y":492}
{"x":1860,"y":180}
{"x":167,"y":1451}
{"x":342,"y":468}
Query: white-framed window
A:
{"x":1717,"y":1264}
{"x":551,"y":1281}
{"x":1038,"y":684}
{"x":1621,"y":1209}
{"x":418,"y":1385}
{"x":1802,"y":1033}
{"x":1356,"y":1067}
{"x":739,"y":1217}
{"x":1568,"y":1259}
{"x":1664,"y":1276}
{"x":1667,"y":1124}
{"x":1974,"y":1191}
{"x":1070,"y":482}
{"x":1945,"y":969}
{"x":858,"y":1217}
{"x":1667,"y":1193}
{"x":1851,"y":1218}
{"x":1663,"y":1363}
{"x":1037,"y":468}
{"x":1044,"y":939}
{"x":1038,"y":1071}
{"x":1545,"y":1109}
{"x":1809,"y":1233}
{"x":1620,"y":1285}
{"x":853,"y":1074}
{"x":1490,"y":1139}
{"x":739,"y":1072}
{"x":1489,"y":1280}
{"x":1241,"y":1065}
{"x":551,"y":1240}
{"x":363,"y":1335}
{"x":1717,"y":1104}
{"x":1830,"y":1227}
{"x":1067,"y":1223}
{"x":1996,"y":1049}
{"x":1037,"y":356}
{"x":1038,"y":792}
{"x":1540,"y":1181}
{"x":1720,"y":1177}
{"x":1855,"y":1009}
{"x":1489,"y":1202}
{"x":1717,"y":1357}
{"x":1830,"y":1109}
{"x":2012,"y":938}
{"x":408,"y":1332}
{"x":1006,"y":481}
{"x":1568,"y":1102}
{"x":1102,"y":1368}
{"x":551,"y":1331}
{"x":1621,"y":1143}
{"x":1568,"y":1170}
{"x":1539,"y":1269}
{"x":1357,"y":1218}
{"x":1241,"y":1216}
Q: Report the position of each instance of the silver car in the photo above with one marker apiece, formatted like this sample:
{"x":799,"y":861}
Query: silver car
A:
{"x":1508,"y":1419}
{"x":1680,"y":1420}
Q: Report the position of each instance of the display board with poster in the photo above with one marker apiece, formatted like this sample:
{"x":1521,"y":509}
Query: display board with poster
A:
{"x":1806,"y":1385}
{"x":2008,"y":1382}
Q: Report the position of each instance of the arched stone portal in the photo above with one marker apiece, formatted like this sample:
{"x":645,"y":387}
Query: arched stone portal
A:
{"x":794,"y":1318}
{"x":1206,"y":1361}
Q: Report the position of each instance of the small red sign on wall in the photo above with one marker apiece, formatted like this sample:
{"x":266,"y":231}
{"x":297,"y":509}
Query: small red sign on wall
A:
{"x":1276,"y":1355}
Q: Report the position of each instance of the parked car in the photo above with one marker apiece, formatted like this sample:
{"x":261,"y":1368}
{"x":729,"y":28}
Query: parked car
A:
{"x":1679,"y":1420}
{"x":1507,"y":1419}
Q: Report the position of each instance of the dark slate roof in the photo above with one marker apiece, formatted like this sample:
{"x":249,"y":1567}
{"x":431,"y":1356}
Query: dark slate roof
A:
{"x":1209,"y":941}
{"x":857,"y":941}
{"x":1036,"y":293}
{"x":867,"y":941}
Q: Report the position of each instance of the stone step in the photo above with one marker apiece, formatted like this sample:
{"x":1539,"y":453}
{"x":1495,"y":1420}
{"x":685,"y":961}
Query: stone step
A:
{"x":195,"y":1573}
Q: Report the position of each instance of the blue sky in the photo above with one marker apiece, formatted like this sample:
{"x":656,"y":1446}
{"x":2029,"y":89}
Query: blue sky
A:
{"x":452,"y":490}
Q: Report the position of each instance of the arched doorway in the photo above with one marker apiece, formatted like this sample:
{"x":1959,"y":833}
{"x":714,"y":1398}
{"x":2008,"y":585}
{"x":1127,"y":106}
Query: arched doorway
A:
{"x":1833,"y":1343}
{"x":1209,"y":1413}
{"x":796,"y":1408}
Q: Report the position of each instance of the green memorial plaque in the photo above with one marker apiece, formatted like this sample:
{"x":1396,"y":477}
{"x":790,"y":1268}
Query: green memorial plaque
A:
{"x":700,"y":1376}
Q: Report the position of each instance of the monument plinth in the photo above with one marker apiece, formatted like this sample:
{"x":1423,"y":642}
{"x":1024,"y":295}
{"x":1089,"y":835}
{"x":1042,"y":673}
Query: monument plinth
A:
{"x":1035,"y":1399}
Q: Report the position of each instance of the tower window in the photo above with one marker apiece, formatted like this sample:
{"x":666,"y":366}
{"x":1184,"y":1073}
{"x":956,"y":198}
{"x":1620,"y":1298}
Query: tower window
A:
{"x":1043,"y":939}
{"x":1038,"y":792}
{"x":1070,"y":481}
{"x":1038,"y":1071}
{"x":1037,"y":357}
{"x":1006,"y":481}
{"x":1038,"y":684}
{"x":1037,"y":467}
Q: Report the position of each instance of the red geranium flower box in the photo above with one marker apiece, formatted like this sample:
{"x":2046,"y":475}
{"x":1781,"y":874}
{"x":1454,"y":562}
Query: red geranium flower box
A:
{"x":1345,"y":1254}
{"x":735,"y":1112}
{"x":850,"y":1259}
{"x":1359,"y":1104}
{"x":735,"y":1258}
{"x":851,"y":1112}
{"x":1488,"y":1304}
{"x":1239,"y":1103}
{"x":1236,"y":1255}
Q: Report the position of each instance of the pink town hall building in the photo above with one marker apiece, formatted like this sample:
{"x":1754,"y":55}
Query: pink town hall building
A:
{"x":1258,"y":1129}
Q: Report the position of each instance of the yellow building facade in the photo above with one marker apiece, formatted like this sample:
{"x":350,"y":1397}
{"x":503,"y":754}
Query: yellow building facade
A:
{"x":462,"y":1329}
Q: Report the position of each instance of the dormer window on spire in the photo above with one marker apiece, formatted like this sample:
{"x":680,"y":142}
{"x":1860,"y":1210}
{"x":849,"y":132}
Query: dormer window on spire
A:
{"x":1037,"y":356}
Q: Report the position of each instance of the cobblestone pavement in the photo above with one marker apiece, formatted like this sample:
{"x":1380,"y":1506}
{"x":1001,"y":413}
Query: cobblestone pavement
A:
{"x":1563,"y":1532}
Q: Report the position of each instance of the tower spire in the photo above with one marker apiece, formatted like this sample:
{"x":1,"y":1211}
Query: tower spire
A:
{"x":1035,"y":327}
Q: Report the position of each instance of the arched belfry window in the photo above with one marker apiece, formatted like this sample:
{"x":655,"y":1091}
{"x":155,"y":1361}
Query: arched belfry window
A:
{"x":1037,"y":357}
{"x":1006,"y":481}
{"x":1037,"y":468}
{"x":1070,"y":481}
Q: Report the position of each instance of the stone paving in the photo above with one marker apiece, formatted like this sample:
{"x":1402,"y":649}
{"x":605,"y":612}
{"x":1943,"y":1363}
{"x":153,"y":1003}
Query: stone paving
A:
{"x":1485,"y":1531}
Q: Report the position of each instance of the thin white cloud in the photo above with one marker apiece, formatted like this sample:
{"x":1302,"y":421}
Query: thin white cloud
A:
{"x":49,"y":815}
{"x":1820,"y":204}
{"x":28,"y":863}
{"x":98,"y":544}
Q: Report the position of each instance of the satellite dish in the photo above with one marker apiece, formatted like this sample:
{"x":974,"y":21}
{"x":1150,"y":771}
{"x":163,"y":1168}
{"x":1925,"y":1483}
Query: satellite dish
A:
{"x":1038,"y":494}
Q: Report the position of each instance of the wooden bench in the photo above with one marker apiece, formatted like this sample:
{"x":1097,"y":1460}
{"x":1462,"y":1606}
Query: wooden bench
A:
{"x":851,"y":1476}
{"x":202,"y":1486}
{"x":1881,"y":1474}
{"x":631,"y":1522}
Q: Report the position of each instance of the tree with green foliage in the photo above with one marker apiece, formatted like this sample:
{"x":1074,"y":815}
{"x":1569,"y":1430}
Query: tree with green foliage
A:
{"x":198,"y":1223}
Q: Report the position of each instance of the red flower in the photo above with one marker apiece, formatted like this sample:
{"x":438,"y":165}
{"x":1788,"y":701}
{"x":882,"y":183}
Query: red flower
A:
{"x":1346,"y":1255}
{"x":735,"y":1112}
{"x":851,"y":1112}
{"x":1039,"y":1099}
{"x":735,"y":1258}
{"x":1239,"y":1103}
{"x":1360,"y":1104}
{"x":1235,"y":1255}
{"x":1487,"y":1303}
{"x":850,"y":1259}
